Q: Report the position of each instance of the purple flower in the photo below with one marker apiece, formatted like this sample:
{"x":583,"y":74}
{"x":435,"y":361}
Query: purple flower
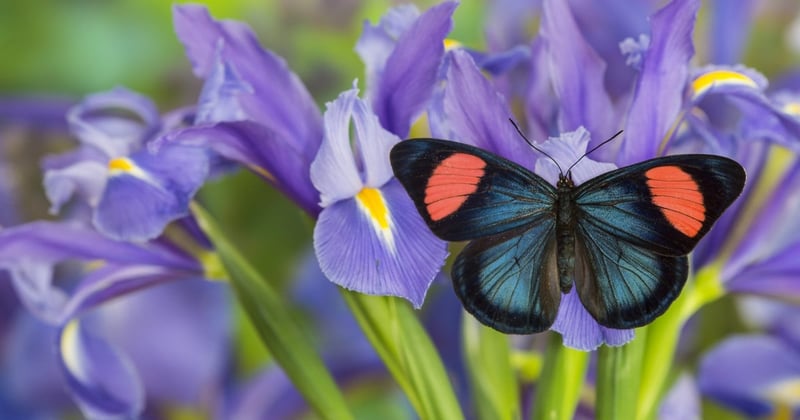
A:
{"x":766,"y":384}
{"x":133,"y":191}
{"x":92,"y":271}
{"x":368,"y":237}
{"x":253,"y":109}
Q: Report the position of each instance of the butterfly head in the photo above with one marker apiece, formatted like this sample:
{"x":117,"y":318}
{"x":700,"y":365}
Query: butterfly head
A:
{"x":565,"y":180}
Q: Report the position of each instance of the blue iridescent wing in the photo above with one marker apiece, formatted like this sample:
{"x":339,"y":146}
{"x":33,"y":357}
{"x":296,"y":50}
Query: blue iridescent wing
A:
{"x":510,"y":281}
{"x":634,"y":227}
{"x":464,"y":193}
{"x":507,"y":276}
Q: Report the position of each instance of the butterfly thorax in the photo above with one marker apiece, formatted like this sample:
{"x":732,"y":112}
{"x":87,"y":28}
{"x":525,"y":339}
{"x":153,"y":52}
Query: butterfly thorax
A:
{"x":565,"y":238}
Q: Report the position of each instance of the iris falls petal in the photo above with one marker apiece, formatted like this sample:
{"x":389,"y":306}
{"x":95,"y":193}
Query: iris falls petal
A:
{"x":376,"y":243}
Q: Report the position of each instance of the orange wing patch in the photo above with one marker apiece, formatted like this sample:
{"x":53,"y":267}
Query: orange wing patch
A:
{"x":678,"y":196}
{"x":451,"y":183}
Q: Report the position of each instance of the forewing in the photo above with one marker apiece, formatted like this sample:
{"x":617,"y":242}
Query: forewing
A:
{"x":464,"y":192}
{"x":510,"y":281}
{"x":665,"y":205}
{"x":623,"y":285}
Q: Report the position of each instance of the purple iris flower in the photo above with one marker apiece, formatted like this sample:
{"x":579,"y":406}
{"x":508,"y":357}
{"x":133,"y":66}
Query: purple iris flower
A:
{"x":366,"y":223}
{"x":134,"y":191}
{"x":368,"y":237}
{"x":766,"y":384}
{"x":112,"y":379}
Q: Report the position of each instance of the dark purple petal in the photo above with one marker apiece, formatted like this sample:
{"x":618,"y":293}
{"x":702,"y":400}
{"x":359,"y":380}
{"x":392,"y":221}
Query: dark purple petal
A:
{"x":409,"y":75}
{"x":278,"y":99}
{"x":541,"y":107}
{"x":36,"y":111}
{"x":356,"y":252}
{"x":580,"y":331}
{"x":474,"y":113}
{"x":508,"y":23}
{"x":577,"y":74}
{"x":138,"y":202}
{"x":264,"y":152}
{"x":117,"y":122}
{"x":377,"y":42}
{"x":219,"y":100}
{"x":774,"y":274}
{"x":658,"y":97}
{"x":112,"y":281}
{"x":102,"y":380}
{"x":754,"y":387}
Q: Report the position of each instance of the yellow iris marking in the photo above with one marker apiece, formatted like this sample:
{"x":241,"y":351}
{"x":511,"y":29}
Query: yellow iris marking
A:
{"x":371,"y":202}
{"x":69,"y":346}
{"x":792,"y":108}
{"x":120,"y":165}
{"x":786,"y":392}
{"x":451,"y":44}
{"x":720,"y":78}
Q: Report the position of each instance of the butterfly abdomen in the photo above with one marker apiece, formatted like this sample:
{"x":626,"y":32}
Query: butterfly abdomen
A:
{"x":565,"y":233}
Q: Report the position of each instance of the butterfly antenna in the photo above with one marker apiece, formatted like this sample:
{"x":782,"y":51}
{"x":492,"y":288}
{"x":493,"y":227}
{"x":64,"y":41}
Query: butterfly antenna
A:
{"x":534,"y":147}
{"x":594,"y":148}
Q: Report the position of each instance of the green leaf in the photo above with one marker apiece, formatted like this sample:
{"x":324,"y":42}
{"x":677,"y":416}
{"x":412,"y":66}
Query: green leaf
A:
{"x":279,"y":331}
{"x":561,"y":383}
{"x":392,"y":327}
{"x":492,"y":380}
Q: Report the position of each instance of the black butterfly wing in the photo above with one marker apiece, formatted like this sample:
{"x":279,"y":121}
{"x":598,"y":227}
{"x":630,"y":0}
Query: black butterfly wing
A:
{"x":635,"y":226}
{"x":509,"y":281}
{"x":464,"y":192}
{"x":506,"y":277}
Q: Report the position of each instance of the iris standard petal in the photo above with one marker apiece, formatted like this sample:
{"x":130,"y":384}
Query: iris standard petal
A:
{"x":577,"y":74}
{"x":377,"y":42}
{"x":409,"y":75}
{"x":116,"y":122}
{"x":102,"y":380}
{"x":147,"y":191}
{"x":278,"y":99}
{"x":335,"y":172}
{"x":376,"y":243}
{"x":730,"y":22}
{"x":374,"y":144}
{"x":474,"y":113}
{"x":658,"y":97}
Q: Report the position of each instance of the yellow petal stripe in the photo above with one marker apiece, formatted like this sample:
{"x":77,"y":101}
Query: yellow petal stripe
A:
{"x":792,"y":108}
{"x":720,"y":78}
{"x":371,"y":202}
{"x":451,"y":44}
{"x":70,"y":347}
{"x":120,"y":164}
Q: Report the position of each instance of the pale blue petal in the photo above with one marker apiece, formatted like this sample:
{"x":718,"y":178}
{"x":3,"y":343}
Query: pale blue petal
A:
{"x":580,"y":331}
{"x":401,"y":262}
{"x":374,"y":143}
{"x":334,"y":172}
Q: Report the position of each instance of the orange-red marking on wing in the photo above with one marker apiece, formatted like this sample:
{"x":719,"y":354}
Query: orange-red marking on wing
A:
{"x":451,"y":183}
{"x":678,"y":196}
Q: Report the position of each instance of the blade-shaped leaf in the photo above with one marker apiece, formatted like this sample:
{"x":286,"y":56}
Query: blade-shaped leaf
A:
{"x":279,"y":331}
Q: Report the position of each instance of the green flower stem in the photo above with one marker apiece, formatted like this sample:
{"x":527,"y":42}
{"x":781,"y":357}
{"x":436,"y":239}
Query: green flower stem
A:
{"x":663,"y":334}
{"x":392,"y":327}
{"x":278,"y":329}
{"x":492,"y":381}
{"x":618,"y":375}
{"x":559,"y":387}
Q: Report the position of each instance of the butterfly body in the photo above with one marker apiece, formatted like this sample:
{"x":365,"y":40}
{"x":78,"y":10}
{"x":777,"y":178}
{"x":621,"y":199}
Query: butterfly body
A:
{"x":620,"y":238}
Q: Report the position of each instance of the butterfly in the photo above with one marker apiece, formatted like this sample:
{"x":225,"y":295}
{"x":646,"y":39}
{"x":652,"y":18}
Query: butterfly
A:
{"x":621,"y":238}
